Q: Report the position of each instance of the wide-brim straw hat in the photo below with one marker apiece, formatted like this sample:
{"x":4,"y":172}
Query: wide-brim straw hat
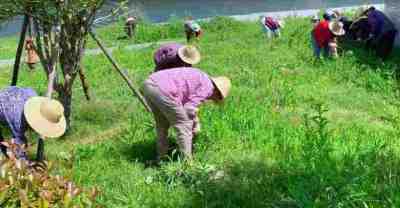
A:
{"x":223,"y":85}
{"x":189,"y":54}
{"x":336,"y":28}
{"x":45,"y":116}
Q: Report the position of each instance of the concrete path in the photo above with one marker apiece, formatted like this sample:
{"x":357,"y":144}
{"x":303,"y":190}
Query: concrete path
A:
{"x":9,"y":62}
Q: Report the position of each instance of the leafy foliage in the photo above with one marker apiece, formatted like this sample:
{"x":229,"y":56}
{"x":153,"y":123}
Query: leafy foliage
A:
{"x":47,"y":10}
{"x":32,"y":185}
{"x":61,"y":28}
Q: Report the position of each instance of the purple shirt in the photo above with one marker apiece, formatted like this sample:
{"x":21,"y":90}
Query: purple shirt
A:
{"x":379,"y":22}
{"x":12,"y":101}
{"x":166,"y":57}
{"x":187,"y":86}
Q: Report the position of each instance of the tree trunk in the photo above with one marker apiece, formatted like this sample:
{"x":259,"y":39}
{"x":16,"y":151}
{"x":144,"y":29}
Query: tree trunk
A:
{"x":65,"y":97}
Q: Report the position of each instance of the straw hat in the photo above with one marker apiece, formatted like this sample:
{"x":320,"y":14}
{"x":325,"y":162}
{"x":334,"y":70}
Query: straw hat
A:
{"x":45,"y":116}
{"x":336,"y":28}
{"x":189,"y":54}
{"x":223,"y":85}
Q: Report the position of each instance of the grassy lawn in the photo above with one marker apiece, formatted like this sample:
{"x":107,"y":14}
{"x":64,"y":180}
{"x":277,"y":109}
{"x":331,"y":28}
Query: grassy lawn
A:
{"x":295,"y":132}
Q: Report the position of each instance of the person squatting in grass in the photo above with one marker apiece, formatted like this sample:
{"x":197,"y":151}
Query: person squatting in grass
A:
{"x":173,"y":55}
{"x":323,"y":37}
{"x":174,"y":96}
{"x":271,"y":26}
{"x":21,"y":109}
{"x":382,"y":32}
{"x":192,"y":29}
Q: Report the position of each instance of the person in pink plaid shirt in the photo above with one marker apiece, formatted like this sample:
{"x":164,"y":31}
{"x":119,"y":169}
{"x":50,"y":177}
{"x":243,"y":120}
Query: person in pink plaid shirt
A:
{"x":174,"y":96}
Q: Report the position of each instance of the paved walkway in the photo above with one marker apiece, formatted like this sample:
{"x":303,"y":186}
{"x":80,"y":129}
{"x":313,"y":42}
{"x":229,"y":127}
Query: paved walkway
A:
{"x":9,"y":62}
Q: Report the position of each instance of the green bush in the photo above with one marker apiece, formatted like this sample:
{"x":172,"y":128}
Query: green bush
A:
{"x":32,"y":185}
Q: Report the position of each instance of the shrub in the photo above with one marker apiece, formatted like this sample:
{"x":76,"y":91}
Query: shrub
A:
{"x":29,"y":185}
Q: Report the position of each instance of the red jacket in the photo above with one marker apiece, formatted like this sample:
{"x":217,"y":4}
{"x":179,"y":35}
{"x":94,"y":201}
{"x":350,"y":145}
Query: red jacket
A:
{"x":322,"y":34}
{"x":271,"y":23}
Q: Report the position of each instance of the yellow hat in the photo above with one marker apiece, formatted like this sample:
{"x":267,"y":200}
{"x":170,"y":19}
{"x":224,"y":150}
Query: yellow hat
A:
{"x":223,"y":85}
{"x":45,"y":116}
{"x":189,"y":54}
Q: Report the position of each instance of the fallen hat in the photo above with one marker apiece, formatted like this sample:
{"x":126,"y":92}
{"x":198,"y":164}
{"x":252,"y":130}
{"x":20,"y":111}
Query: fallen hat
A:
{"x":336,"y":28}
{"x":45,"y":116}
{"x":223,"y":85}
{"x":189,"y":54}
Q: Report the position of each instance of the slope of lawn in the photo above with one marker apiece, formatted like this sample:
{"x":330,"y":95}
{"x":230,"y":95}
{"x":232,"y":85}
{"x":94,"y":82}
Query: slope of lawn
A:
{"x":294,"y":132}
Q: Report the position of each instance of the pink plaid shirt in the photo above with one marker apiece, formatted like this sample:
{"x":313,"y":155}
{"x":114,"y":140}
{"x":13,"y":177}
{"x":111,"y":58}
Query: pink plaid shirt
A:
{"x":187,"y":86}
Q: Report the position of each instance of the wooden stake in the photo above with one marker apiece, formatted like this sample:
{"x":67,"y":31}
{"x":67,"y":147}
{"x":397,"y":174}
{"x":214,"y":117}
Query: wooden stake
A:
{"x":40,"y":150}
{"x":18,"y":55}
{"x":85,"y":86}
{"x":120,"y":72}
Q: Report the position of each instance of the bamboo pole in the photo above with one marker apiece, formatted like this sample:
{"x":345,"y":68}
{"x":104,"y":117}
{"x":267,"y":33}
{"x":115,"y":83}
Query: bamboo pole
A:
{"x":18,"y":55}
{"x":120,"y":72}
{"x":85,"y":86}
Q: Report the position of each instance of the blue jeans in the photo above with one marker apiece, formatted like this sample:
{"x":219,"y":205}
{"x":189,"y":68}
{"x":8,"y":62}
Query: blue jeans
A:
{"x":317,"y":49}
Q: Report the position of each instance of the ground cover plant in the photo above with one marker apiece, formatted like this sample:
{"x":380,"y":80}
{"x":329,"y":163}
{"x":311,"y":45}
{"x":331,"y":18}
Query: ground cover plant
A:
{"x":37,"y":184}
{"x":295,"y":132}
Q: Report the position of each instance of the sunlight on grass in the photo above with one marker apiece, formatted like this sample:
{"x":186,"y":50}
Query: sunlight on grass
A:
{"x":293,"y":133}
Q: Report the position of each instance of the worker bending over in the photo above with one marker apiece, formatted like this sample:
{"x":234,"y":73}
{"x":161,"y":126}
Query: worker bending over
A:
{"x":174,"y":96}
{"x":21,"y":109}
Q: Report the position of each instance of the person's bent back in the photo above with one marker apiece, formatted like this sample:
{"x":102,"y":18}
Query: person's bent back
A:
{"x":174,"y":96}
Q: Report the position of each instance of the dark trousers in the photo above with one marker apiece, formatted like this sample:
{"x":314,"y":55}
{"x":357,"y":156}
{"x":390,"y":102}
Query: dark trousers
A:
{"x":130,"y":30}
{"x":383,"y":44}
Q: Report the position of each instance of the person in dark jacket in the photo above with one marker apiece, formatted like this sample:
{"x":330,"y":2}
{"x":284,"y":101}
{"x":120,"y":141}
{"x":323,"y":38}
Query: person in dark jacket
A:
{"x":359,"y":29}
{"x":382,"y":32}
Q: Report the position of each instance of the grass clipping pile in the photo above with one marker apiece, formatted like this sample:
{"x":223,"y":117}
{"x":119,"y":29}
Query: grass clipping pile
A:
{"x":33,"y":185}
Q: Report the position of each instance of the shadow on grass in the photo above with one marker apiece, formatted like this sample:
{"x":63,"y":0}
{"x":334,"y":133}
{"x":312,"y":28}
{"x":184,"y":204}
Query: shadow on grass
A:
{"x":144,"y":151}
{"x":368,"y":56}
{"x":141,"y":151}
{"x":388,"y":68}
{"x":369,"y":178}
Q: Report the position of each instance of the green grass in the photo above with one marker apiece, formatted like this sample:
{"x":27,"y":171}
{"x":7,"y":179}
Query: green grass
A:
{"x":8,"y":47}
{"x":295,"y":132}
